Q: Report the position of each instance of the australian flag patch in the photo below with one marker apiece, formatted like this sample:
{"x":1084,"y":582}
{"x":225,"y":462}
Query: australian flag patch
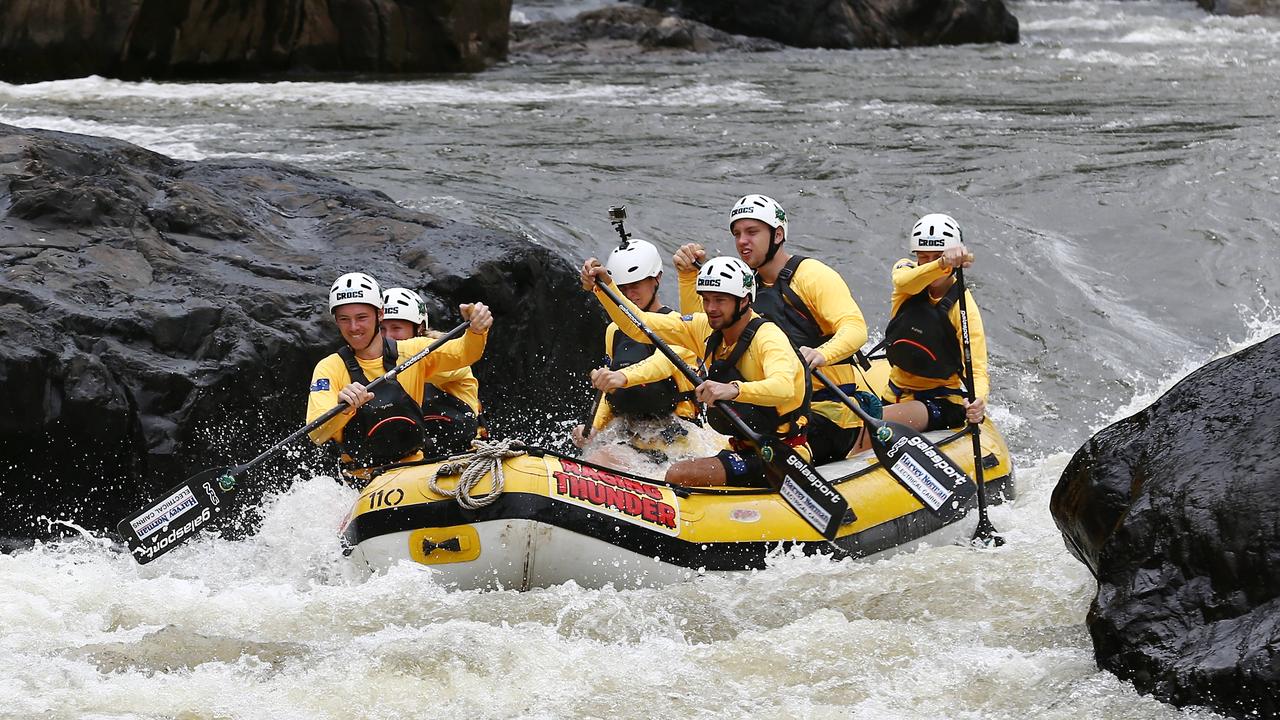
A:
{"x":320,"y":385}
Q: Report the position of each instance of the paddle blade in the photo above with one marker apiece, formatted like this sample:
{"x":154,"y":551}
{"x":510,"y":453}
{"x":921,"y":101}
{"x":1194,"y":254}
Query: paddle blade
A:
{"x":807,"y":492}
{"x":179,"y":514}
{"x":920,"y":467}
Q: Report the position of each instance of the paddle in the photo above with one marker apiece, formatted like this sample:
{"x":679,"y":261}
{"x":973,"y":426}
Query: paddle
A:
{"x":913,"y":461}
{"x":807,"y":492}
{"x":985,"y":533}
{"x":189,"y":506}
{"x":590,"y":418}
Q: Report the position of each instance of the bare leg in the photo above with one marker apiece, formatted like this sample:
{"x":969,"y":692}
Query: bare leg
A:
{"x":911,"y":413}
{"x":702,"y":472}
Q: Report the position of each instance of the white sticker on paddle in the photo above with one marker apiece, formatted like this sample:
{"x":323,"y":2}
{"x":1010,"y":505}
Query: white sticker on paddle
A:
{"x":163,"y":512}
{"x":803,"y":504}
{"x":927,"y":488}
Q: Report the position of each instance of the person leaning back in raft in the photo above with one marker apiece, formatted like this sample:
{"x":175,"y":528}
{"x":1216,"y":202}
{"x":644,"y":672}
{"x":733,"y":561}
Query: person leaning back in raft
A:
{"x":647,"y":399}
{"x":384,"y":426}
{"x":923,"y":339}
{"x":751,"y":362}
{"x":813,"y":306}
{"x":451,"y":410}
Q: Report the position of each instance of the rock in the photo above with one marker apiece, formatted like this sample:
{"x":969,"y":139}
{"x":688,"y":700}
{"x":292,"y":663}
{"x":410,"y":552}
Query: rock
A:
{"x":170,"y":39}
{"x":1176,"y":510}
{"x":846,"y":24}
{"x":164,"y":316}
{"x":1269,"y":8}
{"x":624,"y":29}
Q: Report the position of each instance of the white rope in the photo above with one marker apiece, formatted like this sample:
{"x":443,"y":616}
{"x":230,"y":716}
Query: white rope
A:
{"x":473,"y":466}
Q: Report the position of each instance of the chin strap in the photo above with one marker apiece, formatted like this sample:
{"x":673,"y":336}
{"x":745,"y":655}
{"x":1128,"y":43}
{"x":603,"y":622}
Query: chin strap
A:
{"x":774,"y":247}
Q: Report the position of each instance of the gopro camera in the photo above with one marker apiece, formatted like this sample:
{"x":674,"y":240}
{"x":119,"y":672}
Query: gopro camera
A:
{"x":617,"y":213}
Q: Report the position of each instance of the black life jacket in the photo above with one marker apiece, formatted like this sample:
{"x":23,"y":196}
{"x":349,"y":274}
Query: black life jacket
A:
{"x":785,"y":307}
{"x":388,"y":427}
{"x":651,"y":400}
{"x":449,"y":423}
{"x":921,"y":339}
{"x":762,"y":419}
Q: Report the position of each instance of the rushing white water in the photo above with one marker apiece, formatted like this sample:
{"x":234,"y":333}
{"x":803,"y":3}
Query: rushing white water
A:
{"x":1115,"y":171}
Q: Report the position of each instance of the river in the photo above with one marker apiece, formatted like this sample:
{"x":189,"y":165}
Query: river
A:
{"x":1115,"y":173}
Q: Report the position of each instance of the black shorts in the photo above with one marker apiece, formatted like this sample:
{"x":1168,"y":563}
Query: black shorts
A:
{"x":828,"y":440}
{"x":944,"y":413}
{"x":743,"y":469}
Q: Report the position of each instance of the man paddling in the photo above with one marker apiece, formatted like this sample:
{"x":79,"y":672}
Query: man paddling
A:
{"x":750,"y":361}
{"x":923,"y":339}
{"x":451,"y":398}
{"x":384,"y":426}
{"x":647,"y":400}
{"x":808,"y":300}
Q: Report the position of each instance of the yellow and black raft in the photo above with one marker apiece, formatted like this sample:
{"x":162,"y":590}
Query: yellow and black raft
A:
{"x":522,"y":517}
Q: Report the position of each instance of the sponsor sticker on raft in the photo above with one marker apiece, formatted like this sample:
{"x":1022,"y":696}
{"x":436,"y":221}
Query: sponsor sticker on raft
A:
{"x":163,"y":513}
{"x":634,"y":501}
{"x":927,"y":489}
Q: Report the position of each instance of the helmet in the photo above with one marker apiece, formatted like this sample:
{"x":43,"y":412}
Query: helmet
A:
{"x":354,"y":288}
{"x":403,"y":304}
{"x":637,"y":261}
{"x":727,"y":275}
{"x":762,"y":208}
{"x":933,"y":233}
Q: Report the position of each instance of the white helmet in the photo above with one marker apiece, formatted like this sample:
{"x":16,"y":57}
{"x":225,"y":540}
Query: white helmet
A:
{"x":933,"y":233}
{"x":637,"y":261}
{"x":762,"y":208}
{"x":727,"y":275}
{"x":403,"y":304}
{"x":354,"y":288}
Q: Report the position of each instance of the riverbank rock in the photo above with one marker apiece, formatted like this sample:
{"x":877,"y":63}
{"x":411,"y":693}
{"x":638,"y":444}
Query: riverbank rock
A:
{"x":626,"y":29}
{"x":164,"y":316}
{"x":204,"y":39}
{"x":1270,"y":8}
{"x":846,"y":24}
{"x":1176,"y":510}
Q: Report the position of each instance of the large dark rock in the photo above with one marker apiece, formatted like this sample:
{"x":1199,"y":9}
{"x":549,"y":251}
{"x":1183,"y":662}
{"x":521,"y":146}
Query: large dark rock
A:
{"x":1177,"y":512}
{"x":846,"y":24}
{"x":1242,"y":7}
{"x":164,"y":316}
{"x":131,"y":39}
{"x":622,"y":29}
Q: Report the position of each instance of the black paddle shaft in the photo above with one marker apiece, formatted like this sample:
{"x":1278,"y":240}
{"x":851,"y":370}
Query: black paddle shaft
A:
{"x":986,"y":532}
{"x":333,"y":411}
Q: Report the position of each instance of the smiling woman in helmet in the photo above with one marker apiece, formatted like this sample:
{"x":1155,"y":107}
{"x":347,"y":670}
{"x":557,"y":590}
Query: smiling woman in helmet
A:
{"x":923,"y":339}
{"x":382,"y":426}
{"x":451,"y":399}
{"x":656,"y":394}
{"x":808,"y":300}
{"x":751,"y":364}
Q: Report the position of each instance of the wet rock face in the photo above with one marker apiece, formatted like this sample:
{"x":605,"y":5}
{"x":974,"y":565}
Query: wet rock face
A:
{"x":132,"y":39}
{"x":164,"y":316}
{"x":846,"y":24}
{"x":622,"y":29}
{"x":1242,"y":7}
{"x":1177,"y":512}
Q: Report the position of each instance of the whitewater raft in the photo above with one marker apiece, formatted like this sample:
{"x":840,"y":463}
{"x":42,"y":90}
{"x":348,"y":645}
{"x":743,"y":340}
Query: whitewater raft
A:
{"x":559,"y":518}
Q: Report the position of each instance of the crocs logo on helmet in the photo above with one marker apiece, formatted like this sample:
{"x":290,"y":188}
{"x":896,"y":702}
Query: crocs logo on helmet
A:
{"x":932,"y":242}
{"x":708,"y":282}
{"x":740,"y":211}
{"x":348,"y":295}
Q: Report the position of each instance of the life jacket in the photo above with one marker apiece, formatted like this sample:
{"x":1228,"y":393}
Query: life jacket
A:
{"x":764,"y":420}
{"x":651,"y":400}
{"x":388,"y":427}
{"x":785,"y":307}
{"x":449,"y":423}
{"x":921,"y":338}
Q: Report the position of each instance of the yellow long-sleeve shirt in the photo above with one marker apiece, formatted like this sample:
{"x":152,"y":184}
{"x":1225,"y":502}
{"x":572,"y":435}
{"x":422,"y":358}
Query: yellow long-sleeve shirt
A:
{"x":654,"y":368}
{"x":773,"y":374}
{"x":460,"y":383}
{"x":909,"y":280}
{"x":330,"y":376}
{"x":827,"y":297}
